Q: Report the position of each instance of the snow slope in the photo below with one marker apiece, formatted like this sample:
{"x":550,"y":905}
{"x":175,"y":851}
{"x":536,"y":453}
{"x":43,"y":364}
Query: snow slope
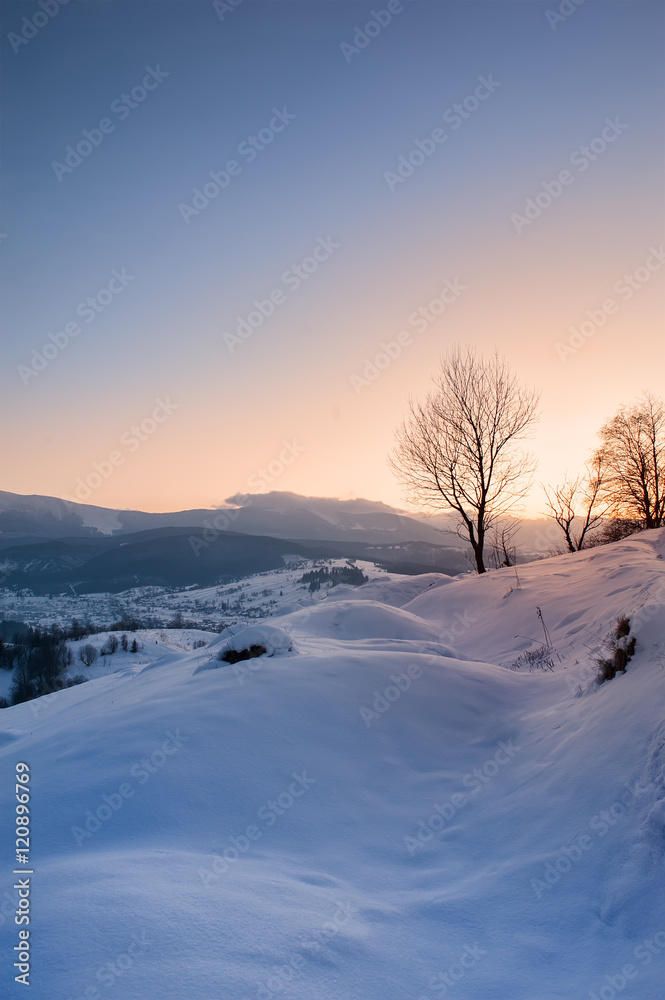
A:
{"x":366,"y":816}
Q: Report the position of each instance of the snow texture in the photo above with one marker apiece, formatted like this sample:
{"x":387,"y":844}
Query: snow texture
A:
{"x":373,"y":816}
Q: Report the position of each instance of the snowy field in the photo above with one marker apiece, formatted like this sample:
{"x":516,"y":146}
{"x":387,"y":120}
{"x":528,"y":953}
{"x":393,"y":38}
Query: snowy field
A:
{"x":382,"y":809}
{"x":248,"y":599}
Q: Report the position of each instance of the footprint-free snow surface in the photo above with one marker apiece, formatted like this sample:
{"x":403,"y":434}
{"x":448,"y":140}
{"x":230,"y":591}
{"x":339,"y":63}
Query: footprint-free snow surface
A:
{"x":380,"y":810}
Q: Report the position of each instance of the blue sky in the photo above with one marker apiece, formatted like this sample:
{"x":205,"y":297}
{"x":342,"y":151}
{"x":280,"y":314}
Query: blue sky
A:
{"x":323,"y":177}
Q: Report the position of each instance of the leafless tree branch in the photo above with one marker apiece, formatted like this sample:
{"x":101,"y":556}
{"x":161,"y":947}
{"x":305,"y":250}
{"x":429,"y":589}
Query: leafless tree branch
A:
{"x":563,"y":502}
{"x":633,"y":454}
{"x":457,"y":448}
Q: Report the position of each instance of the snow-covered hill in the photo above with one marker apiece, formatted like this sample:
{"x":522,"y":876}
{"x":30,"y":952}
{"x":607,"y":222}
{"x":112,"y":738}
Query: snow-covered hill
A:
{"x":257,"y":596}
{"x":379,"y":810}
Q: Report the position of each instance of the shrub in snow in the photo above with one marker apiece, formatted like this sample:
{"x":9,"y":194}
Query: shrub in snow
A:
{"x":110,"y":646}
{"x":88,"y":654}
{"x":4,"y":703}
{"x":235,"y":655}
{"x":539,"y":658}
{"x":256,"y":640}
{"x":622,"y":647}
{"x":76,"y":679}
{"x":614,"y":529}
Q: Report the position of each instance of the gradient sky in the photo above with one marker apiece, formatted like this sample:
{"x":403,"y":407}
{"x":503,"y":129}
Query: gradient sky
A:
{"x":322,"y":176}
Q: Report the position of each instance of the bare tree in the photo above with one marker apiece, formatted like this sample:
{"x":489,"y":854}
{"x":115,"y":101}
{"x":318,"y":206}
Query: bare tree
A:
{"x":502,"y":543}
{"x":633,"y":453}
{"x":24,"y":687}
{"x":456,"y":450}
{"x":111,"y":645}
{"x":178,"y":620}
{"x":583,"y":492}
{"x":614,"y":529}
{"x":88,"y":654}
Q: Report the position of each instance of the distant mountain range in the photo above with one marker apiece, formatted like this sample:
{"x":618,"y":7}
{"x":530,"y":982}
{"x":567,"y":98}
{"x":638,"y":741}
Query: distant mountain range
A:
{"x":51,"y":545}
{"x":282,"y":515}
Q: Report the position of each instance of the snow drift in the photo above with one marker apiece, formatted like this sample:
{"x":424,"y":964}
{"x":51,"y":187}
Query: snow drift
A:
{"x":363,"y":822}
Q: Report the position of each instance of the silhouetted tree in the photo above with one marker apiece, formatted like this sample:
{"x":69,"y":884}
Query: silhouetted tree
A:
{"x":48,"y":660}
{"x":456,"y":450}
{"x":578,"y":500}
{"x":632,"y":452}
{"x":23,"y":686}
{"x":502,"y":543}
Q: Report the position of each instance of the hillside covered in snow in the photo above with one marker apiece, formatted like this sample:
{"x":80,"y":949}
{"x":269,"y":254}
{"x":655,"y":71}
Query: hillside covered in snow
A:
{"x":387,"y":803}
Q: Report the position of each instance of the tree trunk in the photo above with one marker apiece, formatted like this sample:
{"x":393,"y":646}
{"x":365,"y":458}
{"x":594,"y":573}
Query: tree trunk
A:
{"x":478,"y":554}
